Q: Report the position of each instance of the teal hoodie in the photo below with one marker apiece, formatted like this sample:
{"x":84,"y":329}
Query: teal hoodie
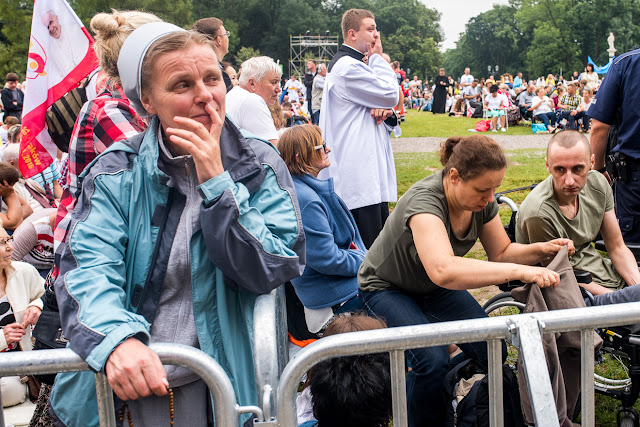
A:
{"x":250,"y":242}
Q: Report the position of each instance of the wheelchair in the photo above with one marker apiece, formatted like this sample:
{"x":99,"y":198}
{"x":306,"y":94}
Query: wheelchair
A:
{"x":617,"y":365}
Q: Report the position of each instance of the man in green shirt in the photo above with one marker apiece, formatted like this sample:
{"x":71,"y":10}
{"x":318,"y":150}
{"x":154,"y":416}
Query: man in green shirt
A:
{"x":576,"y":203}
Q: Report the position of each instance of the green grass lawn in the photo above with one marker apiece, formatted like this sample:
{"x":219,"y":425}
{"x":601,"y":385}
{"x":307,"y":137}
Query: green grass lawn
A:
{"x":526,"y":166}
{"x":420,"y":123}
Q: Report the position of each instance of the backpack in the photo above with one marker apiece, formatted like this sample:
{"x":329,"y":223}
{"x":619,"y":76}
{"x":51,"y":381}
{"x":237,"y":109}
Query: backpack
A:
{"x":61,"y":116}
{"x":473,"y":409}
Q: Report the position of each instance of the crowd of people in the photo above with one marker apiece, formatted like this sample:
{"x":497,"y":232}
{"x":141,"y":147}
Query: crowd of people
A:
{"x":188,"y":189}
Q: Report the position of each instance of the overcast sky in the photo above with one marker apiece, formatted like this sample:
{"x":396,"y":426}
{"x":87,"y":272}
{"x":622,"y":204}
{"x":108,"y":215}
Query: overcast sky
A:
{"x":454,"y":14}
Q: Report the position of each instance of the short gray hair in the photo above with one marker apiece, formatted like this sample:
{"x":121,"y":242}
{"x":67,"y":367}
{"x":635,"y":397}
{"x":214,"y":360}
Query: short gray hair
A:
{"x":258,"y":68}
{"x":11,"y":152}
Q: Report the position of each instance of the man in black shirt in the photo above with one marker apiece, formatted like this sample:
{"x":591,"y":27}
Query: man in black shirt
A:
{"x":308,"y":82}
{"x":12,"y":97}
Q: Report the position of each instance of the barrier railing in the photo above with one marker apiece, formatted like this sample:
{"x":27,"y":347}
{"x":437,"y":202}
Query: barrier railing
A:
{"x":523,"y":330}
{"x":270,"y":347}
{"x":65,"y":360}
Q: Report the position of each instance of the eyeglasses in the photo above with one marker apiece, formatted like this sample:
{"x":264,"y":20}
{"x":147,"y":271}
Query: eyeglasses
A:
{"x":226,"y":33}
{"x":324,"y":145}
{"x":5,"y":240}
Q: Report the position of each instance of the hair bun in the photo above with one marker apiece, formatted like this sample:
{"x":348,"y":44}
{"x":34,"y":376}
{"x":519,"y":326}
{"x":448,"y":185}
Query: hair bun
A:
{"x":106,"y":25}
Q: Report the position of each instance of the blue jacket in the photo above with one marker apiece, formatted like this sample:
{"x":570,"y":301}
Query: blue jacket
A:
{"x":330,"y":276}
{"x":113,"y":265}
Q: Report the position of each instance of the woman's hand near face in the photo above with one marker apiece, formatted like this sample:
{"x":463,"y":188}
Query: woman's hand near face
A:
{"x":134,"y":371}
{"x":201,"y":143}
{"x":31,"y":316}
{"x":13,"y":332}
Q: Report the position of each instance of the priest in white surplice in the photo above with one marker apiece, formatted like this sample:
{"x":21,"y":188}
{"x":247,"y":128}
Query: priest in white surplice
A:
{"x":357,"y":98}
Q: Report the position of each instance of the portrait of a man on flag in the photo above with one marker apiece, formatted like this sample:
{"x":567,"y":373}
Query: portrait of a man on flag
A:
{"x":60,"y":55}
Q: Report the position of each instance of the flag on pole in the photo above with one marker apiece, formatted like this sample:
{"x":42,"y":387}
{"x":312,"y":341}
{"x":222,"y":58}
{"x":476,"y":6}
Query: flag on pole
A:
{"x":60,"y":56}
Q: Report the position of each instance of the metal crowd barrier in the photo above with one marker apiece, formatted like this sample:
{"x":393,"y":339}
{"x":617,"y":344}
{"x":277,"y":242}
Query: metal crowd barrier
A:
{"x":270,"y":347}
{"x":523,"y":330}
{"x":65,"y":360}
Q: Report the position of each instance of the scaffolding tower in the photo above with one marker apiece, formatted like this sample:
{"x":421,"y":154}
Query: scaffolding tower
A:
{"x":303,"y":48}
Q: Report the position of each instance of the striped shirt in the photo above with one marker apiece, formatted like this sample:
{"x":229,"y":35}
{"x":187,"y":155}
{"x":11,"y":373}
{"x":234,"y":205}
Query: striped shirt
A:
{"x":108,"y":118}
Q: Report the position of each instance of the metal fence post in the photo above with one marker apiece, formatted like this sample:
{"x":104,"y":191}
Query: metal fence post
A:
{"x":536,"y":372}
{"x":104,"y":393}
{"x":496,"y":408}
{"x":399,"y":388}
{"x":587,"y":368}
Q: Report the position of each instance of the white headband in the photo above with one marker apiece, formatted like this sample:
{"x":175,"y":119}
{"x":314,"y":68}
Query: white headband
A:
{"x":132,"y":55}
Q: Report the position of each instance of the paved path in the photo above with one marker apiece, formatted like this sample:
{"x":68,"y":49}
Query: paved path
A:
{"x":430,"y":144}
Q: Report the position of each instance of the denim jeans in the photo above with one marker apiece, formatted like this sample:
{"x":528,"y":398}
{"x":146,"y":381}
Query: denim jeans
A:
{"x":425,"y":381}
{"x":546,"y":117}
{"x":572,"y":120}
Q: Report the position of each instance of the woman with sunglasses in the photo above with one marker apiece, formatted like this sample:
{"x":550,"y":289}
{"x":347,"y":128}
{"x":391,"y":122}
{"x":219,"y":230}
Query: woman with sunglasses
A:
{"x":335,"y":249}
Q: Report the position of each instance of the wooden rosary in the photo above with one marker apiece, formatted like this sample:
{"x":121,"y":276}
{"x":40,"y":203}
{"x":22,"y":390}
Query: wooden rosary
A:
{"x":125,"y":411}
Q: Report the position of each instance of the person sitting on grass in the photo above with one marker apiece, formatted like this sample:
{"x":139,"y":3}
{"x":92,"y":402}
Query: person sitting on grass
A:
{"x":458,"y":108}
{"x":496,"y":105}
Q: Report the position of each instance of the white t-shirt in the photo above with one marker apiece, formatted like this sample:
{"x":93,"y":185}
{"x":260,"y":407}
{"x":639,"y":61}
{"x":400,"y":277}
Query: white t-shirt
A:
{"x":585,"y":106}
{"x":466,"y":79}
{"x":497,"y":102}
{"x":545,"y":107}
{"x":250,"y":112}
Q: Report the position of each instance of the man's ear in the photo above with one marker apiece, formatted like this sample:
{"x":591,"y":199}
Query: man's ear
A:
{"x":146,"y":103}
{"x":546,"y":163}
{"x":593,"y":160}
{"x":352,"y":34}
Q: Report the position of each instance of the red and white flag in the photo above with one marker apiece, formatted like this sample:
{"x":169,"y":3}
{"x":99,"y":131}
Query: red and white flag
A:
{"x":60,"y":56}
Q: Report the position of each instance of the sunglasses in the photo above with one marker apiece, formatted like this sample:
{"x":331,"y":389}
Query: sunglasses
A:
{"x":324,"y":146}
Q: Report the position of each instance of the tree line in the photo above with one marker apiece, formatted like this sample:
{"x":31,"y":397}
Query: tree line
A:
{"x":410,"y":31}
{"x":538,"y":37}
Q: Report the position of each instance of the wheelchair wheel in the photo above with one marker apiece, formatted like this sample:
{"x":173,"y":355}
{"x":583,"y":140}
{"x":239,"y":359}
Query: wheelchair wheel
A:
{"x":504,"y":305}
{"x":628,"y":418}
{"x":612,"y":371}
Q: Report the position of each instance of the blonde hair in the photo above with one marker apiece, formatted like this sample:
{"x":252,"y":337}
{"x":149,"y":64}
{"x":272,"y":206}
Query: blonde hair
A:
{"x":297,"y":149}
{"x":277,"y":115}
{"x":111,"y":30}
{"x":352,"y":20}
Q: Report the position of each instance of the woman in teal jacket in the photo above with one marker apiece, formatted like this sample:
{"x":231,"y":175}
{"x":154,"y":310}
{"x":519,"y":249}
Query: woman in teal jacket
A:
{"x":176,"y":232}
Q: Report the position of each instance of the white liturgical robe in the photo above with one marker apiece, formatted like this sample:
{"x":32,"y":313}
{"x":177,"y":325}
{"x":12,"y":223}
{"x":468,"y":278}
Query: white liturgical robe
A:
{"x":362,"y":165}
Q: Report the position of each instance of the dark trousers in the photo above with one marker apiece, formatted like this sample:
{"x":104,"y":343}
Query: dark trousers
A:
{"x":315,"y":117}
{"x":370,"y":220}
{"x":429,"y":366}
{"x":525,"y":113}
{"x":572,"y":120}
{"x":627,"y":202}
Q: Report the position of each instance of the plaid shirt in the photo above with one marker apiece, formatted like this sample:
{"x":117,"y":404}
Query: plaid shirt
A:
{"x":108,"y":118}
{"x":573,"y":102}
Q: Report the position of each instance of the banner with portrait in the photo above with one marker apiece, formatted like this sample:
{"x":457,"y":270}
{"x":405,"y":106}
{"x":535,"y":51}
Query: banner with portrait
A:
{"x":60,"y":56}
